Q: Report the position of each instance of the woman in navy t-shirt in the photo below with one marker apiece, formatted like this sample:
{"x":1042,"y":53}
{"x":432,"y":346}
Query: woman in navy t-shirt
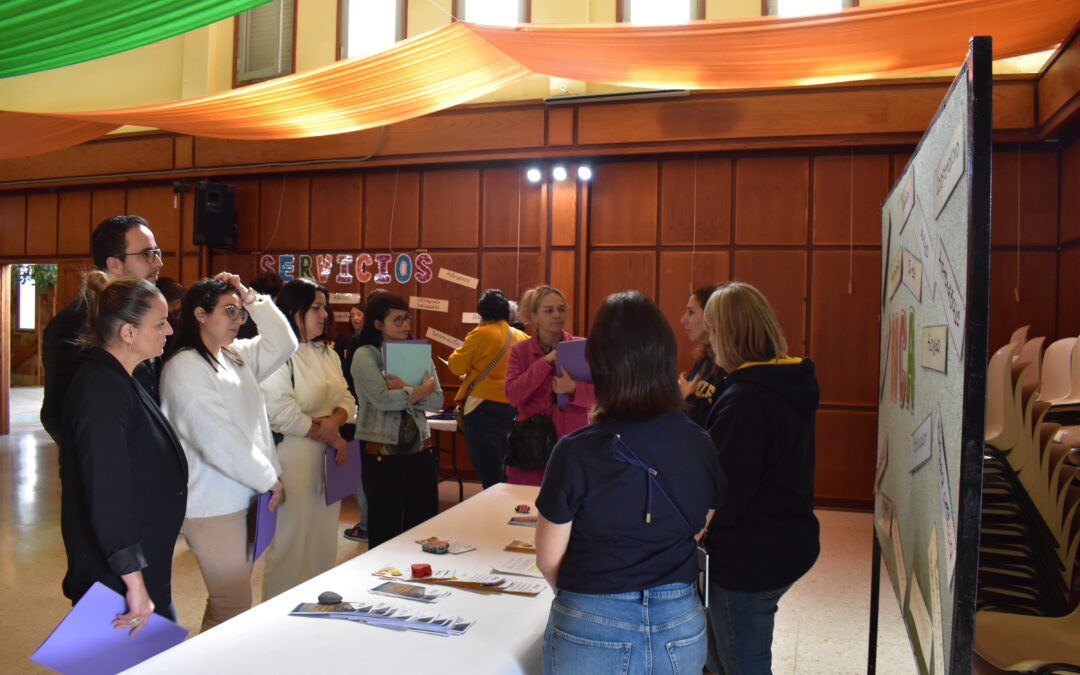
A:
{"x":622,"y":505}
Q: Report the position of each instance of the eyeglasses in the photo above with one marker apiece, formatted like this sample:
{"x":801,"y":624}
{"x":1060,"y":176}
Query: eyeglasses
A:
{"x":148,"y":254}
{"x":234,"y":313}
{"x":402,"y":319}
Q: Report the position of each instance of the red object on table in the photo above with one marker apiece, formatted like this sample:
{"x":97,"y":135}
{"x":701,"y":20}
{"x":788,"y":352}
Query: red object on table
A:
{"x":421,"y":570}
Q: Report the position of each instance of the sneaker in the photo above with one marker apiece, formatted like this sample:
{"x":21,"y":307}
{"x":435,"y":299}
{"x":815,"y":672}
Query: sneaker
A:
{"x":356,"y":533}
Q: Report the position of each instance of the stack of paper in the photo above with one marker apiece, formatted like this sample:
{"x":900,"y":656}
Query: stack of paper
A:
{"x":475,"y":581}
{"x":383,"y":615}
{"x":396,"y":589}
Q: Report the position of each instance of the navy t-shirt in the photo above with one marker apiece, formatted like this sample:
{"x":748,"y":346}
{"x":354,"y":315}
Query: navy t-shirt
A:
{"x":612,"y":549}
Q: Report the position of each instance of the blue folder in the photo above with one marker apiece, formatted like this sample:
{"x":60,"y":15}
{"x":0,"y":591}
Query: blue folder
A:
{"x":407,"y":360}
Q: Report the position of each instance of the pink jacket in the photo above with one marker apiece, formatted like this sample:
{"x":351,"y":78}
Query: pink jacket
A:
{"x":528,"y":388}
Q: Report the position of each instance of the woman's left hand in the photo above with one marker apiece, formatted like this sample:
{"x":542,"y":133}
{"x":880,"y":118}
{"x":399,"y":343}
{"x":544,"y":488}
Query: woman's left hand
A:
{"x":563,"y":383}
{"x":139,"y":604}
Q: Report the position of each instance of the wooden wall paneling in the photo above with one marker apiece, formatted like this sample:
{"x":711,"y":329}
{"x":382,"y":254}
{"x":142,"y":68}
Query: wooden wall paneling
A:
{"x":243,"y":264}
{"x":844,"y":467}
{"x":284,"y":213}
{"x":844,"y":327}
{"x":337,"y":212}
{"x":614,"y":271}
{"x":392,"y":210}
{"x":105,"y":204}
{"x":12,"y":225}
{"x":514,"y":208}
{"x":1070,"y":194}
{"x":189,"y":271}
{"x":186,"y":200}
{"x":1068,"y":318}
{"x":1059,"y":87}
{"x":246,"y":203}
{"x":781,"y":277}
{"x":708,"y":221}
{"x":623,"y":200}
{"x":563,"y":276}
{"x":560,"y":126}
{"x":461,"y":299}
{"x":511,"y":273}
{"x":155,"y":204}
{"x":41,"y":215}
{"x":680,"y":273}
{"x":899,"y":162}
{"x":450,"y":216}
{"x":565,"y":203}
{"x":771,"y":200}
{"x":74,"y":223}
{"x":1038,"y":295}
{"x":69,"y":275}
{"x":848,"y":190}
{"x":112,"y":156}
{"x":1035,"y":204}
{"x":170,"y":266}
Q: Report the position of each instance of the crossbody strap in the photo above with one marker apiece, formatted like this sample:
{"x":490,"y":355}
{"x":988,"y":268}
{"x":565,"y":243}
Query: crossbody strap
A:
{"x":489,"y":367}
{"x":623,"y":453}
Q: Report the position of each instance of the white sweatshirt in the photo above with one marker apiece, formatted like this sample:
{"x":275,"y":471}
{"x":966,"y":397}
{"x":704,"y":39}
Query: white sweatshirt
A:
{"x":310,"y":385}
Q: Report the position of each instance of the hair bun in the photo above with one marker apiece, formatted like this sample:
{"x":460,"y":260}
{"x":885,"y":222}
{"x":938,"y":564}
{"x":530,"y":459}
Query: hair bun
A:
{"x":95,"y":281}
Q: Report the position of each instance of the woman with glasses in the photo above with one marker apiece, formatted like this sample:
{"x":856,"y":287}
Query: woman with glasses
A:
{"x":210,"y":392}
{"x":400,"y":470}
{"x":308,"y":402}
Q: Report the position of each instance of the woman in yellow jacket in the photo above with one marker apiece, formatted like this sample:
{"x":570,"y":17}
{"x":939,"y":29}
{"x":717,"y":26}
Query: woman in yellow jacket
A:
{"x":482,"y":362}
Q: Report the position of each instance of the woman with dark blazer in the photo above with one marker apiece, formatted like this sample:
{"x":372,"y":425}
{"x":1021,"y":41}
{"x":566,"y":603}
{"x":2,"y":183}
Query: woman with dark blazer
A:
{"x":122,"y":470}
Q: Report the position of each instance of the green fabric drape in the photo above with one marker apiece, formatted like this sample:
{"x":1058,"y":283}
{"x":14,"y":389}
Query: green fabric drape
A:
{"x":43,"y":34}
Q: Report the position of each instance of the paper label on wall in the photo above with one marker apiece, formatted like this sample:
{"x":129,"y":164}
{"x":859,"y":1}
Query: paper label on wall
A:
{"x":955,"y":309}
{"x":935,"y":605}
{"x":886,"y":513}
{"x":898,"y":555}
{"x":925,"y":245}
{"x":341,"y":317}
{"x":896,"y":273}
{"x":949,"y":169}
{"x":443,"y":338}
{"x":431,"y":304}
{"x":470,"y":317}
{"x":884,"y":369}
{"x":948,"y":522}
{"x":913,"y":273}
{"x":886,"y":238}
{"x":924,"y":627}
{"x":921,"y":443}
{"x":935,"y":348}
{"x":458,"y":278}
{"x":344,"y":299}
{"x":905,"y":197}
{"x":882,"y":460}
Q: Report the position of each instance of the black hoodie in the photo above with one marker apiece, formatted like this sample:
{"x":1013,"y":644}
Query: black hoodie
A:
{"x":765,"y":534}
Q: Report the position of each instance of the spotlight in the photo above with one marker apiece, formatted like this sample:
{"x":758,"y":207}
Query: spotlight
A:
{"x":533,"y":175}
{"x":584,"y":173}
{"x":559,"y":172}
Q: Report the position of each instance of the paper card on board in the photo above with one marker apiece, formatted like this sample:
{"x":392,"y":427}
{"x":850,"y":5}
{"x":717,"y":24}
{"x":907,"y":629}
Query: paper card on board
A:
{"x":925,"y":246}
{"x":905,"y":197}
{"x":341,"y":317}
{"x":344,"y":298}
{"x":886,"y":514}
{"x":898,"y":556}
{"x":896,"y":273}
{"x":935,"y":348}
{"x":430,"y":304}
{"x":458,"y":278}
{"x":882,"y":461}
{"x":470,"y":317}
{"x":443,"y":338}
{"x":935,"y":604}
{"x":913,"y":273}
{"x":949,"y":169}
{"x":953,"y":301}
{"x":921,"y":443}
{"x":886,"y":238}
{"x":947,"y":519}
{"x":884,"y":368}
{"x":921,"y":618}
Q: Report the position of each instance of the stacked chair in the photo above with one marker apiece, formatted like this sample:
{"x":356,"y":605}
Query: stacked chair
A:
{"x":1030,"y":528}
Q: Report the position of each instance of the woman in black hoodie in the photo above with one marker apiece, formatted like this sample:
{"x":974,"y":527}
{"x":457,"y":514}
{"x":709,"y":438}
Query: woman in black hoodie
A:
{"x":765,"y":535}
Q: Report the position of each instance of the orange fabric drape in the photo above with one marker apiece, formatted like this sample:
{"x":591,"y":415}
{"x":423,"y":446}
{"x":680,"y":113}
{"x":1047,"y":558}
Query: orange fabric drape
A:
{"x":459,"y":62}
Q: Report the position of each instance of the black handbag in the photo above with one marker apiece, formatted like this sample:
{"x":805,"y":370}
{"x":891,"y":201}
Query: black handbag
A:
{"x":529,"y":443}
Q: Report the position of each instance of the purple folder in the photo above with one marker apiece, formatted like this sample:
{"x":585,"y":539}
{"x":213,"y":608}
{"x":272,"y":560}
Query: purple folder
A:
{"x":85,"y":642}
{"x":265,"y":524}
{"x":570,"y":358}
{"x":341,"y":481}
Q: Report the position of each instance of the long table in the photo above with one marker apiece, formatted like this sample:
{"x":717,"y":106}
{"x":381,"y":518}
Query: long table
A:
{"x":506,"y":637}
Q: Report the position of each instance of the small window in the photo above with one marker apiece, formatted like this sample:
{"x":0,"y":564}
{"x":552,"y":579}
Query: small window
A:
{"x":660,"y":12}
{"x":492,"y":12}
{"x":807,"y":7}
{"x":27,"y":300}
{"x":368,"y":27}
{"x":264,"y":42}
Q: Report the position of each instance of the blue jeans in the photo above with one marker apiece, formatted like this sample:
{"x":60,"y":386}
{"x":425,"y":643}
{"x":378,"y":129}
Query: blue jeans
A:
{"x":658,"y":630}
{"x":741,"y":630}
{"x":485,"y":430}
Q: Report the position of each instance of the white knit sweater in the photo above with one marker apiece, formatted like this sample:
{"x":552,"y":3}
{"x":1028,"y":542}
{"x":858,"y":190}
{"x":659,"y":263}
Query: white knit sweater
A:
{"x":220,"y":416}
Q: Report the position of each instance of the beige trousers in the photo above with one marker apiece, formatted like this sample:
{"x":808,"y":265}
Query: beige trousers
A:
{"x":220,"y":544}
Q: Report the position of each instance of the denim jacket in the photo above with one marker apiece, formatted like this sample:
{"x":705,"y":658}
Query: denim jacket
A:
{"x":378,"y":418}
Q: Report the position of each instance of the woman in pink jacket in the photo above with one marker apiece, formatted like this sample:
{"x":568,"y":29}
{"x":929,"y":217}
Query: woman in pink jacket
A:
{"x":531,"y":381}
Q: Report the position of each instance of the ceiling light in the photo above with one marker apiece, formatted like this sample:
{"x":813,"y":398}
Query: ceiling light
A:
{"x":584,"y":173}
{"x":534,"y":175}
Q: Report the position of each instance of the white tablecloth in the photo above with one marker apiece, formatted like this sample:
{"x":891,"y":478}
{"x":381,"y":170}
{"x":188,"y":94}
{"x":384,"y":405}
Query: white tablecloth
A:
{"x":506,"y":637}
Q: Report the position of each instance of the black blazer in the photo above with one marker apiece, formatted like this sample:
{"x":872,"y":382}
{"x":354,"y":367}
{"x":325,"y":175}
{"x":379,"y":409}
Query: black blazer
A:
{"x":124,"y":479}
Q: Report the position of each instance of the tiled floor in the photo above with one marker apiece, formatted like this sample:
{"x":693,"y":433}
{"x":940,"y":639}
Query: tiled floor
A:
{"x":821,"y":627}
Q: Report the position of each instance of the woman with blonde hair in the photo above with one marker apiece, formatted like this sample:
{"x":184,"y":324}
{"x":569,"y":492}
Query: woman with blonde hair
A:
{"x":764,"y":536}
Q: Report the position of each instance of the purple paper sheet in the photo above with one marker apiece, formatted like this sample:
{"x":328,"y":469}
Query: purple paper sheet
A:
{"x":341,"y":481}
{"x":85,"y":642}
{"x":265,"y":524}
{"x":570,"y":358}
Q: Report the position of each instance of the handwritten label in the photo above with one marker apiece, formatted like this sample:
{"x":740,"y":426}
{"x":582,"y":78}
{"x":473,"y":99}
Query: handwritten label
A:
{"x":458,"y":278}
{"x":885,"y":513}
{"x":344,"y":298}
{"x":470,"y":317}
{"x":935,"y":604}
{"x":431,"y":304}
{"x":935,"y":347}
{"x":896,"y":273}
{"x":443,"y":338}
{"x":886,"y":239}
{"x":925,"y":244}
{"x":886,"y":346}
{"x":949,"y":169}
{"x":882,"y":460}
{"x":921,"y":618}
{"x":898,"y":555}
{"x":341,"y":317}
{"x":955,"y":310}
{"x":912,"y":272}
{"x":921,"y":443}
{"x":948,"y":522}
{"x":905,"y":199}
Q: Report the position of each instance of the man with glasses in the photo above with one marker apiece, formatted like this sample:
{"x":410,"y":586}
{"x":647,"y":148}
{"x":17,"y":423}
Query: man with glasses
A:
{"x":122,"y":246}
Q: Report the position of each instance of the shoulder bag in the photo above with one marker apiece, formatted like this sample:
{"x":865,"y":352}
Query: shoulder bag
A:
{"x":459,"y":410}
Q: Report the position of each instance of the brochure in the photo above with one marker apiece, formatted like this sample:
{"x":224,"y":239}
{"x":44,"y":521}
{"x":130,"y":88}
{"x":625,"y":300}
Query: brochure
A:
{"x":525,"y":567}
{"x":383,"y":615}
{"x":396,"y":589}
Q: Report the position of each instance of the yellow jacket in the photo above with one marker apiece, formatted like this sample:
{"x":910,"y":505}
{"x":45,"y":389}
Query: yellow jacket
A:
{"x":482,"y":345}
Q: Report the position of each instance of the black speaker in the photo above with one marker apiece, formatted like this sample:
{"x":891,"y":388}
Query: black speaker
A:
{"x":215,"y":217}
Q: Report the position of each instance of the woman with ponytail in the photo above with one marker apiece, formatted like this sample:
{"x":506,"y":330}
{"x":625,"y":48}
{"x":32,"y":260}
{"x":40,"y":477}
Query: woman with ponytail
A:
{"x":122,"y":469}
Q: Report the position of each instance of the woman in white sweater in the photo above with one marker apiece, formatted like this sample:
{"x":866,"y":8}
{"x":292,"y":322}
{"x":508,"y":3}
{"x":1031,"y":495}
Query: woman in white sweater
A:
{"x":308,"y":401}
{"x":210,"y":393}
